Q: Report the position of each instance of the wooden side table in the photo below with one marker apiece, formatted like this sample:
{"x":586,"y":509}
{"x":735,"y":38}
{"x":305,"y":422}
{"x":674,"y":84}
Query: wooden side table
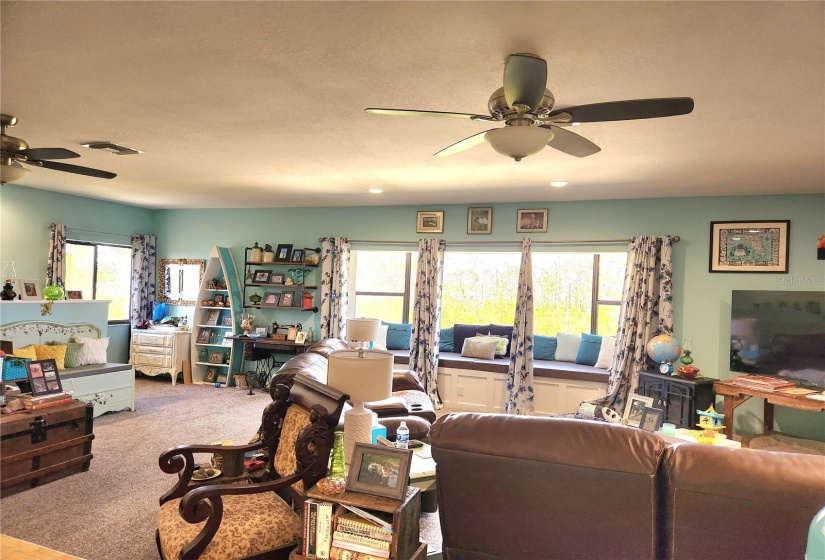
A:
{"x":679,"y":397}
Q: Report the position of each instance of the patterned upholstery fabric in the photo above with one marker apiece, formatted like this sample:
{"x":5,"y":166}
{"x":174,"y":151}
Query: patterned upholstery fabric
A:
{"x":286,"y":463}
{"x":251,"y":525}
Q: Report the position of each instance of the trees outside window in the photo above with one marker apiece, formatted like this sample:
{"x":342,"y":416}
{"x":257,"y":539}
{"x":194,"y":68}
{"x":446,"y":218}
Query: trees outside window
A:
{"x":101,"y":271}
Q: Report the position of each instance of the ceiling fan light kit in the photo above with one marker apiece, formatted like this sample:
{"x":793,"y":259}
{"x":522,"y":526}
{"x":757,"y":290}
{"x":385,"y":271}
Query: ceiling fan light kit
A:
{"x":519,"y":142}
{"x":11,"y":172}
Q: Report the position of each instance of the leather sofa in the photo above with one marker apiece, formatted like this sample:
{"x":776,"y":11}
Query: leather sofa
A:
{"x":409,"y":401}
{"x":520,"y":487}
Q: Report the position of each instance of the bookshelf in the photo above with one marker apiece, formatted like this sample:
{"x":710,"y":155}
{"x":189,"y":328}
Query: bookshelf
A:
{"x":405,"y":514}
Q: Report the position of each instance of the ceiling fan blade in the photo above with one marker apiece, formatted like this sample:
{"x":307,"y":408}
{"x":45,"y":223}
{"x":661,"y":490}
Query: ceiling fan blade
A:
{"x":571,"y":143}
{"x":48,"y":153}
{"x":462,"y":145}
{"x":417,"y":113}
{"x":626,"y":110}
{"x":525,"y":77}
{"x":80,"y":170}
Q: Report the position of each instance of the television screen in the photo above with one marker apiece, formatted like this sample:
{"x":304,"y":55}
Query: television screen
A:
{"x":779,"y":333}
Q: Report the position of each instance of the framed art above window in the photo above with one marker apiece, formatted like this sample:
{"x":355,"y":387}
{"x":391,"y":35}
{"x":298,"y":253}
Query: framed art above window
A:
{"x":532,"y":220}
{"x":479,"y":220}
{"x":430,"y":222}
{"x":750,"y":246}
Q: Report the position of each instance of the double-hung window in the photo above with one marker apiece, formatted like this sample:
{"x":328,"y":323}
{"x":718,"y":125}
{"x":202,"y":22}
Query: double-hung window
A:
{"x":101,"y":271}
{"x":384,"y":284}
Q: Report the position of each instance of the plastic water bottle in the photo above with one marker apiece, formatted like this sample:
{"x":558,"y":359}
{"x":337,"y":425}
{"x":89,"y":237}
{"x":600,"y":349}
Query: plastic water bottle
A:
{"x":402,"y":436}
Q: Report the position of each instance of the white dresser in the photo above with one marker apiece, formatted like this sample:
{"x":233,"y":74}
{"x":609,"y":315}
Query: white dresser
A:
{"x":158,"y":350}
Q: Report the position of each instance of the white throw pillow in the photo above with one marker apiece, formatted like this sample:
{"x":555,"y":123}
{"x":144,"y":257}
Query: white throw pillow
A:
{"x":568,"y":347}
{"x":474,"y":347}
{"x":381,"y":343}
{"x":606,"y":352}
{"x":93,"y":350}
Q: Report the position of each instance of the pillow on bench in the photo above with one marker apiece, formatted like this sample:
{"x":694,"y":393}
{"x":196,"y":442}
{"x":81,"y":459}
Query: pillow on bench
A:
{"x":462,"y":331}
{"x":477,"y":347}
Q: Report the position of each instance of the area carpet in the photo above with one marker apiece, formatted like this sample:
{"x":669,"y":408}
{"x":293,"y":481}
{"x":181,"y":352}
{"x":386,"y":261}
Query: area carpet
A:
{"x":110,"y":512}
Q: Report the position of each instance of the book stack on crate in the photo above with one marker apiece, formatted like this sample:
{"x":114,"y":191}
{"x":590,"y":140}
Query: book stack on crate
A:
{"x":45,"y":401}
{"x":343,"y":535}
{"x":762,"y":382}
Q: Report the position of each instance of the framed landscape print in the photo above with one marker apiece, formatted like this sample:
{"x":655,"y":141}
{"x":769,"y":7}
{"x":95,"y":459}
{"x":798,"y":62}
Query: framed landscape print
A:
{"x":754,"y":246}
{"x":532,"y":221}
{"x":479,"y":220}
{"x":430,"y":222}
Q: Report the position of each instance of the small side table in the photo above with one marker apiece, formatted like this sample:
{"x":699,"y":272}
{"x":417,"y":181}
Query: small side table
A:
{"x":679,"y":397}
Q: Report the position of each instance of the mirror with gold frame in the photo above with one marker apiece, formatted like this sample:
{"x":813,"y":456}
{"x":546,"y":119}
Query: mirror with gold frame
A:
{"x":180,"y":280}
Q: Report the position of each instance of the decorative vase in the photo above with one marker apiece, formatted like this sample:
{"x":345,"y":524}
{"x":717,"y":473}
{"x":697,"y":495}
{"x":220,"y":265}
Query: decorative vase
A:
{"x":307,"y":300}
{"x":296,"y":275}
{"x":53,"y":292}
{"x":255,"y":298}
{"x":337,"y":467}
{"x":255,"y":254}
{"x":269,"y":254}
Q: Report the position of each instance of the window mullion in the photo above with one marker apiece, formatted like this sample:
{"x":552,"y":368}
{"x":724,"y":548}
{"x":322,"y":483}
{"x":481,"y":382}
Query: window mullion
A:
{"x":405,"y":312}
{"x":594,"y":296}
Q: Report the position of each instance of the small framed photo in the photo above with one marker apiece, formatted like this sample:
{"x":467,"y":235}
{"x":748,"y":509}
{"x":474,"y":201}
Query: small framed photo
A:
{"x":755,"y":246}
{"x":286,"y":299}
{"x":532,"y":221}
{"x":301,"y":337}
{"x":271,"y":298}
{"x":74,"y":294}
{"x":211,"y":375}
{"x":297,"y":256}
{"x":379,"y":470}
{"x":219,"y":299}
{"x":652,"y":419}
{"x":226,"y":321}
{"x":479,"y":220}
{"x":261,"y":332}
{"x":430,"y":222}
{"x":28,"y":289}
{"x":260,"y":277}
{"x":635,"y":408}
{"x":216,"y":357}
{"x":212,"y":317}
{"x":221,"y":378}
{"x":43,"y":377}
{"x":283,"y":252}
{"x":204,"y":335}
{"x":277,"y":278}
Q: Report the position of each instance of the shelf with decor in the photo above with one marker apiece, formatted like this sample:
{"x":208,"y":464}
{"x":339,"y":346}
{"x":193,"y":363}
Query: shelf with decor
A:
{"x":217,"y":315}
{"x":280,"y":278}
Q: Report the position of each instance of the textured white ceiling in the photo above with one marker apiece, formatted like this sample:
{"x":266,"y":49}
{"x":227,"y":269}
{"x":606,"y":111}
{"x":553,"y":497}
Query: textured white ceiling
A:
{"x":240,"y":104}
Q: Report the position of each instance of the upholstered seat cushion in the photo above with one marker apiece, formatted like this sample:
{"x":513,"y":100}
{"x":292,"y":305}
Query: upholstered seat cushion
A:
{"x":251,"y":524}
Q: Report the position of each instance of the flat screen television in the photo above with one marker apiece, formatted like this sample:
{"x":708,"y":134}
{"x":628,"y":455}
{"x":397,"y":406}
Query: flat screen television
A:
{"x":779,"y":333}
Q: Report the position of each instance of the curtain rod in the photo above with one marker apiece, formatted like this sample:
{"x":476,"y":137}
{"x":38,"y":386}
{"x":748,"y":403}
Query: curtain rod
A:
{"x":100,"y":232}
{"x":675,"y":239}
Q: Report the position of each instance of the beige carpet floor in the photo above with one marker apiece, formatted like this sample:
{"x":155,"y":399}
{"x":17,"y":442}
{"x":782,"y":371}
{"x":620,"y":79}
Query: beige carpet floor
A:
{"x":110,"y":512}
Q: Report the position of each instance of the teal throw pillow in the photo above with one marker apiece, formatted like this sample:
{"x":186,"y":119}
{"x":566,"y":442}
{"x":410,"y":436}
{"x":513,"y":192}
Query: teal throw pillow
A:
{"x":73,"y":351}
{"x":398,"y":335}
{"x":589,"y":350}
{"x":544,"y":347}
{"x":445,"y":343}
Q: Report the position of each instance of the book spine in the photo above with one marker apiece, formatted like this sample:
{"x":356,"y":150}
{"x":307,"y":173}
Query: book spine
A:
{"x":48,"y":404}
{"x":336,"y":553}
{"x":323,"y":535}
{"x":371,"y":533}
{"x":313,"y":527}
{"x":361,"y":526}
{"x":361,"y":548}
{"x":305,"y":543}
{"x":360,"y":539}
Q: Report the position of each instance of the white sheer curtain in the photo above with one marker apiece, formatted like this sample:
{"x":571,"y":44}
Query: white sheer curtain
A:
{"x":520,"y":371}
{"x":335,"y":256}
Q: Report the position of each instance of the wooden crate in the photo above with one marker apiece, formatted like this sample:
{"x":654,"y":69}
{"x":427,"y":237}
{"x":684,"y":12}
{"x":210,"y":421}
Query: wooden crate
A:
{"x":39,"y":446}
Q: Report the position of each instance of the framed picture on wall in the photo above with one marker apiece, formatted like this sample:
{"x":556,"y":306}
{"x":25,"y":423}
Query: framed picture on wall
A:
{"x":430,"y":222}
{"x":753,"y":246}
{"x":532,"y":220}
{"x":479,"y":220}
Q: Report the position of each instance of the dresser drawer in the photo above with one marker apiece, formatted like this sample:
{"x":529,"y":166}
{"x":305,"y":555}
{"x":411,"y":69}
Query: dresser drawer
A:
{"x":153,"y":339}
{"x":159,"y":360}
{"x":143,"y":349}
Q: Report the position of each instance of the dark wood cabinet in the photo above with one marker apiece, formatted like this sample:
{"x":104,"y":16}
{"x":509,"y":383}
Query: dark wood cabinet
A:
{"x":680,"y":398}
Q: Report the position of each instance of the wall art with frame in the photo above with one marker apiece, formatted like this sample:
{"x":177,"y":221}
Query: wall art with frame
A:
{"x":430,"y":221}
{"x":479,"y":220}
{"x":531,"y":220}
{"x":750,"y":246}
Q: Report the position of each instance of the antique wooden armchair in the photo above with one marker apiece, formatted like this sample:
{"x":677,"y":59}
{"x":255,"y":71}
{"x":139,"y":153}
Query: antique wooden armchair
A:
{"x":260,"y":519}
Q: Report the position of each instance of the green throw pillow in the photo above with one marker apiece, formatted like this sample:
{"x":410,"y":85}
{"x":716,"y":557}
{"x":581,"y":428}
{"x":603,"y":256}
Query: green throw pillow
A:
{"x":72,"y":359}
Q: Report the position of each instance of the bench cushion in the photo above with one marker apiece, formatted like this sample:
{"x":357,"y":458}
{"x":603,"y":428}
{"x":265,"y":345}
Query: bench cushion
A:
{"x":97,"y":369}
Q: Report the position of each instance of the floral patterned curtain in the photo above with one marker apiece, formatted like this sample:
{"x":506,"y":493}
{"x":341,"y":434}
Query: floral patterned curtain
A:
{"x":647,"y":311}
{"x":335,"y":255}
{"x":56,"y":265}
{"x":143,"y":278}
{"x":520,"y":372}
{"x":424,"y":339}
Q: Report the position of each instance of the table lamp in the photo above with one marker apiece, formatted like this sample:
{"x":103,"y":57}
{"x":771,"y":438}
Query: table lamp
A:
{"x":362,"y":330}
{"x":365,"y":375}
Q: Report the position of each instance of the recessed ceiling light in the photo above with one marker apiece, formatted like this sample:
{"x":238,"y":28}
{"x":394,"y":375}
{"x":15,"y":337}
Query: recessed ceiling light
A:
{"x":558,"y":183}
{"x":375,"y":191}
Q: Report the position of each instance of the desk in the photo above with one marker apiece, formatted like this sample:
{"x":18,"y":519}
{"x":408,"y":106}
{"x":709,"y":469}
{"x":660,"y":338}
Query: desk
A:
{"x":735,"y":395}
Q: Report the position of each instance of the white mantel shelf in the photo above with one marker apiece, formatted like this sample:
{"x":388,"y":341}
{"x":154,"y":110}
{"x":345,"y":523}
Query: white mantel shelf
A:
{"x":56,"y":302}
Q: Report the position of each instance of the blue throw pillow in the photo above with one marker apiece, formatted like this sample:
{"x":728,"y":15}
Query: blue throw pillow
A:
{"x":544,"y":347}
{"x":445,"y":343}
{"x":398,"y":335}
{"x":589,"y":349}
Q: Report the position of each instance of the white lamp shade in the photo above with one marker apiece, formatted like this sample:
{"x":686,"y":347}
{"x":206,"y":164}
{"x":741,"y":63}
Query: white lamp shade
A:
{"x":12,"y":173}
{"x":363,"y":379}
{"x":362,"y":329}
{"x":519,"y":141}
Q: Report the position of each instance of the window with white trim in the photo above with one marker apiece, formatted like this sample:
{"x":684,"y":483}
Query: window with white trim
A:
{"x":101,"y":271}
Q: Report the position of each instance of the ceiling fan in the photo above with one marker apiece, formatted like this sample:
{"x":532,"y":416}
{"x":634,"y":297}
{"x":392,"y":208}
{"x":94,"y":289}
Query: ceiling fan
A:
{"x":14,"y":152}
{"x":530,"y":122}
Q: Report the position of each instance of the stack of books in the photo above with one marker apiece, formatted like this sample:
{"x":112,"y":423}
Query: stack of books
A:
{"x":762,"y":382}
{"x":356,"y":538}
{"x":43,"y":401}
{"x":317,"y":529}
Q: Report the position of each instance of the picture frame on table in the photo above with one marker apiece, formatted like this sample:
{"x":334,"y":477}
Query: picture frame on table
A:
{"x":226,"y":321}
{"x":43,"y":377}
{"x":283,"y":252}
{"x":212,"y":317}
{"x":429,"y":221}
{"x":652,"y":419}
{"x":297,"y":256}
{"x":301,"y":337}
{"x":479,"y":220}
{"x":277,"y":278}
{"x":217,"y":357}
{"x":262,"y":332}
{"x":379,"y":470}
{"x":211,"y":375}
{"x":750,"y":246}
{"x":204,"y":336}
{"x":287,"y":299}
{"x":635,"y":408}
{"x":29,"y":289}
{"x":260,"y":277}
{"x":74,"y":294}
{"x":271,"y":298}
{"x":531,"y":220}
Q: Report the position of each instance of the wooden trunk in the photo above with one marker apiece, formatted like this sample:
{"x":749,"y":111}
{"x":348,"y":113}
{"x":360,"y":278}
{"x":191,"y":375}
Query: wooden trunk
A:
{"x":40,"y":446}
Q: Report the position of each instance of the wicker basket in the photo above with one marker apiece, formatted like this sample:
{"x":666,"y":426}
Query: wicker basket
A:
{"x":242,"y":380}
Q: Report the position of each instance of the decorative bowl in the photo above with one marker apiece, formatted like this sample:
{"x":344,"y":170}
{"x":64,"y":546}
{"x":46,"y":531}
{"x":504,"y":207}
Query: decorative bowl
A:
{"x":688,"y":372}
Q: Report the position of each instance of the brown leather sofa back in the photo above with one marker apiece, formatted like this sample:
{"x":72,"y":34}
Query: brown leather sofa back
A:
{"x":739,"y":503}
{"x":522,"y":488}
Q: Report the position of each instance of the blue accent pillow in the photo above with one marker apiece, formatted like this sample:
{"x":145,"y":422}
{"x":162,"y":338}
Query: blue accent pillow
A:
{"x":461,"y":331}
{"x":398,"y":335}
{"x":505,"y":331}
{"x":589,"y":349}
{"x":445,"y":343}
{"x":544,"y":347}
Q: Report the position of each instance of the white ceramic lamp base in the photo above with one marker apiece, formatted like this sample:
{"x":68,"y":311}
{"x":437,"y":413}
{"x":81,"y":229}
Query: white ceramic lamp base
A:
{"x":357,"y":428}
